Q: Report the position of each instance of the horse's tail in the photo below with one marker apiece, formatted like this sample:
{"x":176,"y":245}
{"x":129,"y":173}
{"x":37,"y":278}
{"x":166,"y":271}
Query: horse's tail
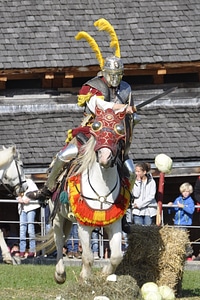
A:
{"x":46,"y":242}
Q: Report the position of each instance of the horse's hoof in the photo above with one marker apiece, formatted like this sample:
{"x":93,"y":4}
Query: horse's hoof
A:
{"x":8,"y":261}
{"x":60,"y":279}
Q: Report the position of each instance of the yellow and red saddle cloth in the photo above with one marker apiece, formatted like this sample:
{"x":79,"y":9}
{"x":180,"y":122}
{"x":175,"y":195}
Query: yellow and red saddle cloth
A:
{"x":93,"y":217}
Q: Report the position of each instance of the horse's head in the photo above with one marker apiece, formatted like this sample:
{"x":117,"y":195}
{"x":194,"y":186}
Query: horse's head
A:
{"x":108,"y":130}
{"x":12,"y":171}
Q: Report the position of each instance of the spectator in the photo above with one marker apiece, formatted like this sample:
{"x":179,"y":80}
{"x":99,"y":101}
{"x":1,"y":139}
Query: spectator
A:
{"x":95,"y":243}
{"x":184,"y":206}
{"x":27,"y":213}
{"x":144,"y":191}
{"x":197,"y":190}
{"x":196,"y":257}
{"x":15,"y":251}
{"x":73,"y":243}
{"x":9,"y":236}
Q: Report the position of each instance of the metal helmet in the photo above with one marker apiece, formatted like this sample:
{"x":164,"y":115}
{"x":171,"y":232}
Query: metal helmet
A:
{"x":113,"y":70}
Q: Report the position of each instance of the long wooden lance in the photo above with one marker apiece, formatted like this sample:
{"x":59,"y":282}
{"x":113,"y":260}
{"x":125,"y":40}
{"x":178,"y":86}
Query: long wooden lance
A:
{"x":130,"y":118}
{"x":156,"y":97}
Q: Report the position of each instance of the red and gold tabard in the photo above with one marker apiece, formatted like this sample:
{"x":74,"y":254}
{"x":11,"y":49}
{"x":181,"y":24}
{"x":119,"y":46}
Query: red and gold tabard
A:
{"x":93,"y":217}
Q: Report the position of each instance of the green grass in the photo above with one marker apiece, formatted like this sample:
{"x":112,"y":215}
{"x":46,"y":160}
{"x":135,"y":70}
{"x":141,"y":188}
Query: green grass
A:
{"x":36,"y":282}
{"x":191,"y":285}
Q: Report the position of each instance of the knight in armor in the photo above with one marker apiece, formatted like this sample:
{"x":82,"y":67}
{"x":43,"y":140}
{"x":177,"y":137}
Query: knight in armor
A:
{"x":108,"y":90}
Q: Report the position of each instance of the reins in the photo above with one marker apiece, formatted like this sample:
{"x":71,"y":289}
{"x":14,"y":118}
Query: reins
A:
{"x":20,"y":184}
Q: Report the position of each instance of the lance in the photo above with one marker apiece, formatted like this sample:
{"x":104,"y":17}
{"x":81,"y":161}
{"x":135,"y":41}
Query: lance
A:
{"x":156,"y":97}
{"x":132,"y":120}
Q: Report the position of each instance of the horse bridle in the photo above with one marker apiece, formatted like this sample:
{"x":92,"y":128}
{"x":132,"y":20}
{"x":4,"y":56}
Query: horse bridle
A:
{"x":114,"y":158}
{"x":20,"y":184}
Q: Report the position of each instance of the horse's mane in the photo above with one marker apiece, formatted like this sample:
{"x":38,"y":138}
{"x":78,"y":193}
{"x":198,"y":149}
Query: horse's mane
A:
{"x":85,"y":158}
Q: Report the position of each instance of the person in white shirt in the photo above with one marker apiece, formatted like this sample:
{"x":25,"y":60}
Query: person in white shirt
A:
{"x":144,"y":190}
{"x":27,"y":213}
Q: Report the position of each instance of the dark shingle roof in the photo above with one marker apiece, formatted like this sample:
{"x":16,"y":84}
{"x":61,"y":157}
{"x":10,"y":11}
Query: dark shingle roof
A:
{"x":169,"y":125}
{"x":37,"y":34}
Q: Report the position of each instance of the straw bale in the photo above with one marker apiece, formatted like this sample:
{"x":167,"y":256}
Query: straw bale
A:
{"x":124,"y":288}
{"x":155,"y":254}
{"x":172,"y":259}
{"x":141,"y":258}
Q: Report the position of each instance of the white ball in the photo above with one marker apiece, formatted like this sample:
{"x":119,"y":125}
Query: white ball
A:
{"x":166,"y":292}
{"x":153,"y":296}
{"x":149,"y":287}
{"x":163,"y":163}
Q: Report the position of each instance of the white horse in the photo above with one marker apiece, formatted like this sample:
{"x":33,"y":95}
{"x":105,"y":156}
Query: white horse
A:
{"x":11,"y":176}
{"x":97,"y":196}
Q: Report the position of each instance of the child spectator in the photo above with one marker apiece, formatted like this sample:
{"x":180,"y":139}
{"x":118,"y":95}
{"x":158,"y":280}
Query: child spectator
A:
{"x":144,"y":190}
{"x":184,"y":206}
{"x":9,"y":236}
{"x":15,"y":251}
{"x":197,"y":190}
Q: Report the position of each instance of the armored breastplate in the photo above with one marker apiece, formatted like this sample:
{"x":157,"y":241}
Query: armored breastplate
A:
{"x":100,"y":85}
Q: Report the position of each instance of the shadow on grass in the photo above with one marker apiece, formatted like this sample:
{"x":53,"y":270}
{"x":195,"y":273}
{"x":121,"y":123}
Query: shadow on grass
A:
{"x":190,"y":293}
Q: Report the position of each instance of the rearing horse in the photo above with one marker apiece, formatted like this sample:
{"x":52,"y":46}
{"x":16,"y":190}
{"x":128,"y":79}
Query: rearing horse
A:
{"x":97,"y":195}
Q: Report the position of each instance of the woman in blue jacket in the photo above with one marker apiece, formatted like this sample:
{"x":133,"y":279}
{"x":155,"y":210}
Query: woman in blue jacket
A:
{"x":183,"y":206}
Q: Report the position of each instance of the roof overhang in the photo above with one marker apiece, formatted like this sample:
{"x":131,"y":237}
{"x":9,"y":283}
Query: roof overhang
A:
{"x":161,"y":68}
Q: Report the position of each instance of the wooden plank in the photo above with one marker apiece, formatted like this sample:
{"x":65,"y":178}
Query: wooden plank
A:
{"x":2,"y":85}
{"x":90,"y":70}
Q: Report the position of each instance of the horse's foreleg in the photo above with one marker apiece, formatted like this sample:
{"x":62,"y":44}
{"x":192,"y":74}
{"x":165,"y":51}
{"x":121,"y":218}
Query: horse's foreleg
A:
{"x":60,"y":274}
{"x":115,"y":238}
{"x":87,"y":255}
{"x":4,"y":249}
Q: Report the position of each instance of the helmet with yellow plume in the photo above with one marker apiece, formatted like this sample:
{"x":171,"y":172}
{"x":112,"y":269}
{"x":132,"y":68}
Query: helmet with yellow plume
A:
{"x":112,"y":67}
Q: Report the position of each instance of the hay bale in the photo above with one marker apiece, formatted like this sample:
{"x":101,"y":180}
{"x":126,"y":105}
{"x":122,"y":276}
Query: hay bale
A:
{"x":124,"y":288}
{"x":155,"y":254}
{"x":141,"y":258}
{"x":172,"y":258}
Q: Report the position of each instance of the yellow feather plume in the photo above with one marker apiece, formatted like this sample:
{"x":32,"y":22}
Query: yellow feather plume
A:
{"x":103,"y":24}
{"x":93,"y":45}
